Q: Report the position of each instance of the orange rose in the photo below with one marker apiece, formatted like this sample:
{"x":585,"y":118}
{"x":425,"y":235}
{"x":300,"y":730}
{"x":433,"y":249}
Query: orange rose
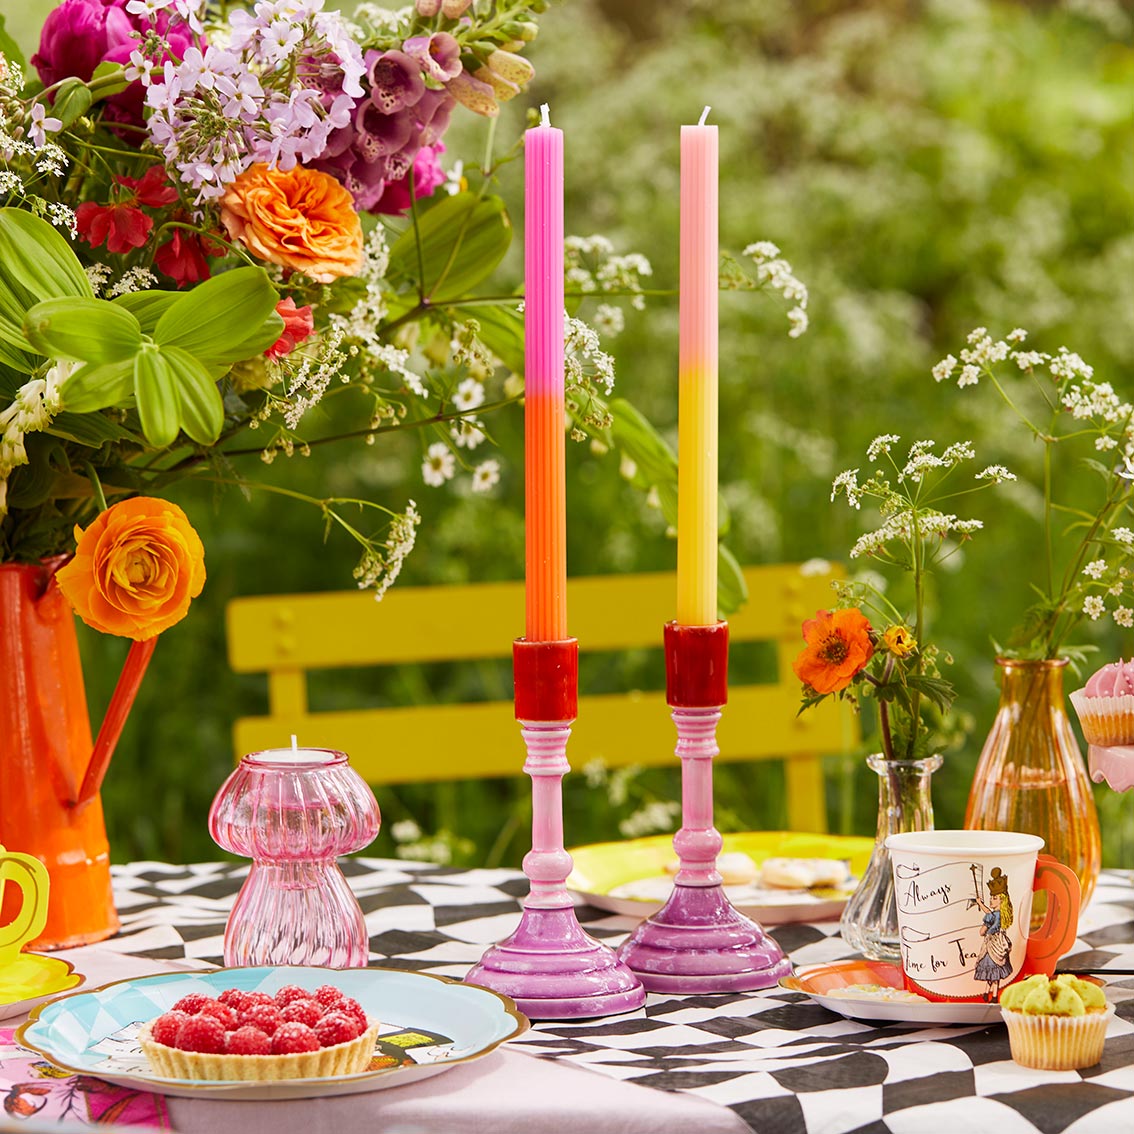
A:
{"x":838,"y":647}
{"x":301,"y":219}
{"x":135,"y":569}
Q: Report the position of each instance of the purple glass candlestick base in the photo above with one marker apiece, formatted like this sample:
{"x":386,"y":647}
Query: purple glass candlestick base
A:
{"x":555,"y":971}
{"x":699,"y":942}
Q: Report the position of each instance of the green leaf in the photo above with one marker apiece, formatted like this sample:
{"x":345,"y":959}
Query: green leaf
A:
{"x":83,"y":330}
{"x":212,"y":320}
{"x":98,"y":386}
{"x":732,"y":590}
{"x":147,"y":306}
{"x":201,"y":408}
{"x":463,"y":238}
{"x":92,"y":429}
{"x":939,"y":691}
{"x":501,"y":330}
{"x":72,"y":100}
{"x":155,"y":388}
{"x":113,"y":75}
{"x":251,"y":346}
{"x":11,"y":48}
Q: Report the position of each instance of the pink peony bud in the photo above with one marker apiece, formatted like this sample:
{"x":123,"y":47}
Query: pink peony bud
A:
{"x":452,"y":9}
{"x":428,"y":8}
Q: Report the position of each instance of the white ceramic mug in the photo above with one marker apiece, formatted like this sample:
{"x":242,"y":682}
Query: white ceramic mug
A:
{"x":964,"y":905}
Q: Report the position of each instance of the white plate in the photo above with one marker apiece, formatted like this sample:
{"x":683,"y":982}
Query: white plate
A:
{"x":94,"y":1032}
{"x":818,"y":981}
{"x":629,"y":878}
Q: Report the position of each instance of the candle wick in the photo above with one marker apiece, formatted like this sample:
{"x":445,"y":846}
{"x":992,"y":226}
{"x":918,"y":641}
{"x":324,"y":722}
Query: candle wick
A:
{"x":294,"y":743}
{"x":544,"y":114}
{"x":704,"y":115}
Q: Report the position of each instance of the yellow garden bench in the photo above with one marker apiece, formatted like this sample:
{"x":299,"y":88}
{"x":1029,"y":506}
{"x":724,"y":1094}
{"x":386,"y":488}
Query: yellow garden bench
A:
{"x":287,"y":636}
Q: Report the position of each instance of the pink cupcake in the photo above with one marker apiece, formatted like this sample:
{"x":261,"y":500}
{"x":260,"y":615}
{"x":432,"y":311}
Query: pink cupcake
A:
{"x":1106,"y":705}
{"x":1106,"y":711}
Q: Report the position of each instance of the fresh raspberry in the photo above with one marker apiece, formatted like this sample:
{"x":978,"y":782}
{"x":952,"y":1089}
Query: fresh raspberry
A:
{"x":291,"y":992}
{"x":235,"y":998}
{"x":337,"y":1027}
{"x":306,"y":1011}
{"x":222,"y":1012}
{"x":352,"y":1008}
{"x":292,"y":1038}
{"x":201,"y":1032}
{"x":164,"y":1028}
{"x":328,"y":994}
{"x":266,"y":1017}
{"x":193,"y":1003}
{"x":251,"y":998}
{"x":248,"y":1041}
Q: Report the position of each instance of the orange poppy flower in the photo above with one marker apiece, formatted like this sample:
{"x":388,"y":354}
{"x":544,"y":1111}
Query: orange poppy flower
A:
{"x":135,"y":570}
{"x":838,"y":648}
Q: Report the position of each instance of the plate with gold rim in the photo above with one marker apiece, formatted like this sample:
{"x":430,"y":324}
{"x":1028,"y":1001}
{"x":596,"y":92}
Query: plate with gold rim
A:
{"x":429,"y":1024}
{"x":630,"y":878}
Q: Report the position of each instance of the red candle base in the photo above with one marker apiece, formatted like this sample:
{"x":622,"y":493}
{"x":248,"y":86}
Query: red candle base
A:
{"x":696,"y":665}
{"x":546,"y":677}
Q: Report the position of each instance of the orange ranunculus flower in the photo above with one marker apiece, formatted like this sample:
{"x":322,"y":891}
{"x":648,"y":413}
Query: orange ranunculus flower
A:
{"x":135,"y":569}
{"x":299,"y":218}
{"x":838,"y":647}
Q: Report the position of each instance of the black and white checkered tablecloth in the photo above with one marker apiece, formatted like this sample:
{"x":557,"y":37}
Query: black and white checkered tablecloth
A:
{"x":780,"y":1061}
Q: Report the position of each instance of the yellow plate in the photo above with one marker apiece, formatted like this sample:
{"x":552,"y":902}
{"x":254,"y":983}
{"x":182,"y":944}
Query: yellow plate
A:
{"x":602,"y":868}
{"x":30,"y":979}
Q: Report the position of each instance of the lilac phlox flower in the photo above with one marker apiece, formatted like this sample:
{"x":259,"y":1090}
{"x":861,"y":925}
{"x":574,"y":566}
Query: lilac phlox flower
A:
{"x":439,"y":55}
{"x":147,"y":9}
{"x":280,"y":41}
{"x":343,"y":50}
{"x":41,"y":125}
{"x":240,"y":95}
{"x":395,"y":80}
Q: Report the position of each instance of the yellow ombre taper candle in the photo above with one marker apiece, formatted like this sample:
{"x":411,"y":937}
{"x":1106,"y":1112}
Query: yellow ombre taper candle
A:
{"x":697,"y":380}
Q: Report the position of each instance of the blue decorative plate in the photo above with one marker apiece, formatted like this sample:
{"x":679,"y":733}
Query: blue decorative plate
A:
{"x":429,"y":1023}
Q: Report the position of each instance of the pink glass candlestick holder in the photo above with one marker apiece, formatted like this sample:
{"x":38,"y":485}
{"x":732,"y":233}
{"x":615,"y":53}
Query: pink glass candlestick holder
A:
{"x":698,"y":941}
{"x":293,"y":811}
{"x":549,"y":966}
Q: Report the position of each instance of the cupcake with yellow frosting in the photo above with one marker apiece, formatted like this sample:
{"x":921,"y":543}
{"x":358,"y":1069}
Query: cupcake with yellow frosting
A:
{"x":1056,"y":1024}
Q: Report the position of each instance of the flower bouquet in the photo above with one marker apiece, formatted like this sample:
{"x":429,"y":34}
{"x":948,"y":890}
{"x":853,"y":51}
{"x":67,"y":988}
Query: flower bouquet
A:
{"x":867,"y":650}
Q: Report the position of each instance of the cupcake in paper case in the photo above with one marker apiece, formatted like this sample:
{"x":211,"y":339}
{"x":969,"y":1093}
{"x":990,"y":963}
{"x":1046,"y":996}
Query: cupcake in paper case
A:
{"x":1106,"y":705}
{"x":1056,"y":1024}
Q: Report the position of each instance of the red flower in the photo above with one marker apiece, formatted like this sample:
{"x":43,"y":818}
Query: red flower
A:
{"x":121,"y":227}
{"x":298,"y":325}
{"x":151,"y":189}
{"x":182,"y":257}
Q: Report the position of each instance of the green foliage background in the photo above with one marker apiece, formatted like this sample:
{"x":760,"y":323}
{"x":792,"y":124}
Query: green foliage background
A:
{"x":926,"y":168}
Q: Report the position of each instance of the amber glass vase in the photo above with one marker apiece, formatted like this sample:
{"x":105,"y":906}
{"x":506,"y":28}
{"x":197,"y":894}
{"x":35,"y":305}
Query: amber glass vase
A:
{"x":1031,"y":776}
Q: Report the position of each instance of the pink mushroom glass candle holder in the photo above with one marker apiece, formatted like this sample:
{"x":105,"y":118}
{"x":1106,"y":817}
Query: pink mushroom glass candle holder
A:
{"x":698,"y":941}
{"x":293,"y":811}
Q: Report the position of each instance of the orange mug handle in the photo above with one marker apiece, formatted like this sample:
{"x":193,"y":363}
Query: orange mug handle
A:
{"x":1061,"y":923}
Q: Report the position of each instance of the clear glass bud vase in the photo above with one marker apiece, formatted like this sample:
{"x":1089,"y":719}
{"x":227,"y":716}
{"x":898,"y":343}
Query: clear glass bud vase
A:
{"x":870,"y":920}
{"x":1031,"y":776}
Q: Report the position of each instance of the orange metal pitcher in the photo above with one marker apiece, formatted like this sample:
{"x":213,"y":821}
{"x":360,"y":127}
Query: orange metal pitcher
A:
{"x":50,"y":771}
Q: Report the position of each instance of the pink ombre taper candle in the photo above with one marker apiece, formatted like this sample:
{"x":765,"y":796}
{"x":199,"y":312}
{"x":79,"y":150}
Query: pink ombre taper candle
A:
{"x":697,"y":380}
{"x":545,"y":508}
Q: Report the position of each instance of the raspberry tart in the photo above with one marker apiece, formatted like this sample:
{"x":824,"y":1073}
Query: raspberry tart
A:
{"x":253,"y":1036}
